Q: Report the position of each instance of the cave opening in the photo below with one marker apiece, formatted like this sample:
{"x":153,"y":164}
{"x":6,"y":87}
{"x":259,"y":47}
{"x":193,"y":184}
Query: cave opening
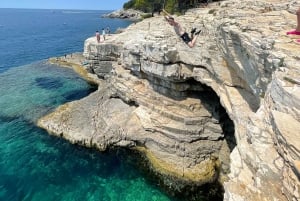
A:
{"x":192,"y":88}
{"x":211,"y":100}
{"x":208,"y":98}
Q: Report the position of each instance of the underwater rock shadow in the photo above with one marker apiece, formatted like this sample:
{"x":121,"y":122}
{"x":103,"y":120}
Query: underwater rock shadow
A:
{"x":49,"y":83}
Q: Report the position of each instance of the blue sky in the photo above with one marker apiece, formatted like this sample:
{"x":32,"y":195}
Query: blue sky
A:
{"x":64,"y":4}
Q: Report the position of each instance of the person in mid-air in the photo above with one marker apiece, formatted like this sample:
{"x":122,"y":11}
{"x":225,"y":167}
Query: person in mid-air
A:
{"x":190,"y":41}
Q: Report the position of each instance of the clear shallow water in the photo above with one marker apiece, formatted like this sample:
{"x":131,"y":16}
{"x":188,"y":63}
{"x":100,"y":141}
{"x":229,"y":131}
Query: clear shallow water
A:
{"x":35,"y":166}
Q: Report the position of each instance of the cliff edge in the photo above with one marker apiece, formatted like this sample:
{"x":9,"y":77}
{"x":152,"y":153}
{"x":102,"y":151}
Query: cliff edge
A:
{"x":227,"y":109}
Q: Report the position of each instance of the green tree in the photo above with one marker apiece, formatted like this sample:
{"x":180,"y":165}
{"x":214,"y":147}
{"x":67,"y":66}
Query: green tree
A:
{"x":129,"y":4}
{"x":141,"y":5}
{"x":154,"y":6}
{"x":171,"y":6}
{"x":144,"y":5}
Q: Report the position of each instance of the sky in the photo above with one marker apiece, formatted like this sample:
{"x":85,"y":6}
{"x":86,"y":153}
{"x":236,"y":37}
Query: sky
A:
{"x":64,"y":4}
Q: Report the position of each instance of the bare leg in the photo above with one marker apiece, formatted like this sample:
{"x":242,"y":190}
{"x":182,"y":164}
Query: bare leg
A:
{"x":193,"y":42}
{"x":297,"y":30}
{"x":298,"y":20}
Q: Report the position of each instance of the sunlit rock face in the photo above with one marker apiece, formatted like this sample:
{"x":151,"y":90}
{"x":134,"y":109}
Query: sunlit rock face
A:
{"x":226,"y":109}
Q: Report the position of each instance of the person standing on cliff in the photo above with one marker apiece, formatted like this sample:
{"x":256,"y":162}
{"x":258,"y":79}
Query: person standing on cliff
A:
{"x":107,"y":30}
{"x":103,"y":34}
{"x":98,"y":36}
{"x":190,"y":41}
{"x":297,"y":30}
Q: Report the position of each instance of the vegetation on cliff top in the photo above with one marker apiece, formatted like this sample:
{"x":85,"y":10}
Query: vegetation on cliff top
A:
{"x":150,"y":6}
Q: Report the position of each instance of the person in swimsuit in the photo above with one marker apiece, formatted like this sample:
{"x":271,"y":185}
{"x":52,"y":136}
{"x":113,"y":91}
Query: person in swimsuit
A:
{"x":190,"y":41}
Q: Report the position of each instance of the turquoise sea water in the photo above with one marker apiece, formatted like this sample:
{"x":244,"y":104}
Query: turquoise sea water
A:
{"x":35,"y":166}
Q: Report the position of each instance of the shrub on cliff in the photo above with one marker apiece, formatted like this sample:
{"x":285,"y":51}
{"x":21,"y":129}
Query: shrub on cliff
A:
{"x":147,"y":6}
{"x":172,"y":6}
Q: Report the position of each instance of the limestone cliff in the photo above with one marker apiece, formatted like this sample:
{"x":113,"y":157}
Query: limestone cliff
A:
{"x":177,"y":104}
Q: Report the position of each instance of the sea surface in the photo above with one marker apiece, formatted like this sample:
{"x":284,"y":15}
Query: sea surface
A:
{"x":35,"y":166}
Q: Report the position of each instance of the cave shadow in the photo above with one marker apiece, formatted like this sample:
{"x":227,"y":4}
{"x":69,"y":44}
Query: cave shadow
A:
{"x":209,"y":100}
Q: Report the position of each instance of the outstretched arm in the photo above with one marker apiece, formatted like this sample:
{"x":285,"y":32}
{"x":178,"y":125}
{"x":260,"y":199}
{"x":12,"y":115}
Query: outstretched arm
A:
{"x":166,"y":14}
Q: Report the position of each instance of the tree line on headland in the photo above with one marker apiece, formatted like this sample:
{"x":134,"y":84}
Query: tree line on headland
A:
{"x":172,"y":6}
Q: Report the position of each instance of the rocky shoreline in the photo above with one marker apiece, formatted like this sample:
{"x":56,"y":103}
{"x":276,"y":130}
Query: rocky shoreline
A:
{"x":185,"y":187}
{"x":129,"y":14}
{"x":77,"y":62}
{"x":200,"y":115}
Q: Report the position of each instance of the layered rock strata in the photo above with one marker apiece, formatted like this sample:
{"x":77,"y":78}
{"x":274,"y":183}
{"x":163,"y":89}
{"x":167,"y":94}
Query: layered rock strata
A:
{"x":164,"y":97}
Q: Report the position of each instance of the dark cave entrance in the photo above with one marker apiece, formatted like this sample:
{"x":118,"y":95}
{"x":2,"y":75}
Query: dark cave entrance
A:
{"x":192,"y":88}
{"x":210,"y":97}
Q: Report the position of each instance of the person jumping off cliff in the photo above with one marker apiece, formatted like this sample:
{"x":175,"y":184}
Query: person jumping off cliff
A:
{"x":190,"y":41}
{"x":297,"y":30}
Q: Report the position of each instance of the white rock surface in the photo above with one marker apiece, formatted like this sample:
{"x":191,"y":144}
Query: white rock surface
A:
{"x":245,"y":57}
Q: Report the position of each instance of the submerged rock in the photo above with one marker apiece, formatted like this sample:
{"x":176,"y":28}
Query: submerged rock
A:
{"x":230,"y":104}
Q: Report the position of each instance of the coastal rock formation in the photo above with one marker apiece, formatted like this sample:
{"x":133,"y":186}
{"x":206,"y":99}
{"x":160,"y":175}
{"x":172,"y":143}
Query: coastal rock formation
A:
{"x":188,"y":109}
{"x":129,"y":14}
